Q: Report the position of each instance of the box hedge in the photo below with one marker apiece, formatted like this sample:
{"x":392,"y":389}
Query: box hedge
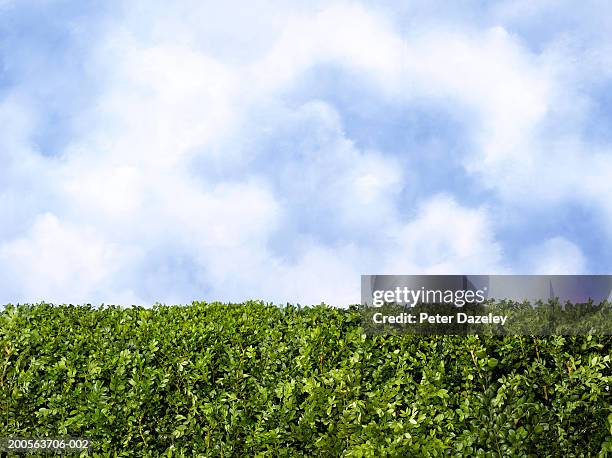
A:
{"x":259,"y":380}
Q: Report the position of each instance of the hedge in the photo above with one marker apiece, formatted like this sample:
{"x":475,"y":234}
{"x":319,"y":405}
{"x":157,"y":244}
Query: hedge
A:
{"x":252,"y":379}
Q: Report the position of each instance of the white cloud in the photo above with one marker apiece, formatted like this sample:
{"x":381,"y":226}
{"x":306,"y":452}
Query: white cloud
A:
{"x":192,"y":149}
{"x":555,"y":256}
{"x":445,"y":237}
{"x":344,"y":35}
{"x":509,"y":93}
{"x":63,"y":262}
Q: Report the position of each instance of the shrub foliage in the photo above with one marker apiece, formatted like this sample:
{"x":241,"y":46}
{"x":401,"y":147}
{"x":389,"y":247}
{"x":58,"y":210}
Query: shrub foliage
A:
{"x":256,"y":379}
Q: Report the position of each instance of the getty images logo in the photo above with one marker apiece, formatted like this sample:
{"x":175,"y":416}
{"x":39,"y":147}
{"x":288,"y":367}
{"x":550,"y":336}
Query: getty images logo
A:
{"x":411,"y":297}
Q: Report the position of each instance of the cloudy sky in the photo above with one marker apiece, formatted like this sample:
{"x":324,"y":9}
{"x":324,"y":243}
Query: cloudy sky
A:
{"x":154,"y":151}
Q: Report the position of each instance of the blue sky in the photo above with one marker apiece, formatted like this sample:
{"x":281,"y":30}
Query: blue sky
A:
{"x":278,"y":150}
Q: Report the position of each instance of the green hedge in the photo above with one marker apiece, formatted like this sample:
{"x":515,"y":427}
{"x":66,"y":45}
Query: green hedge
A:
{"x":255,"y":379}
